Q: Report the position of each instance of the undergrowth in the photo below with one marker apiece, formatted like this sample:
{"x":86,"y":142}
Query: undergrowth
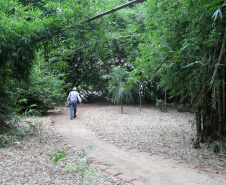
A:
{"x":83,"y":165}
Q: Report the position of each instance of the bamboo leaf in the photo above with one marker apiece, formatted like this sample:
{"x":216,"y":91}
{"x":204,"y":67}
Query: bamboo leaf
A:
{"x":216,"y":13}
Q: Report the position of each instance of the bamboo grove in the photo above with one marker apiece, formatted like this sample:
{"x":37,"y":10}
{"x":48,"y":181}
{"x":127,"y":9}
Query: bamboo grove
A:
{"x":173,"y":49}
{"x":188,"y":55}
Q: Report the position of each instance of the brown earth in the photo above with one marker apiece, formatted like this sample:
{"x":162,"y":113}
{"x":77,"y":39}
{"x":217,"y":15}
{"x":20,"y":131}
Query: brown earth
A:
{"x":151,"y":131}
{"x":28,"y":161}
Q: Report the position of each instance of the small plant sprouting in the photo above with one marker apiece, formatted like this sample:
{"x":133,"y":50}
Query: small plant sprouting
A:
{"x":32,"y":128}
{"x":83,"y":170}
{"x":212,"y":145}
{"x":200,"y":149}
{"x":183,"y":135}
{"x":83,"y":166}
{"x":58,"y":156}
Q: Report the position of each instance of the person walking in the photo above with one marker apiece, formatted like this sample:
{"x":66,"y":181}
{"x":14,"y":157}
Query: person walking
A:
{"x":72,"y":99}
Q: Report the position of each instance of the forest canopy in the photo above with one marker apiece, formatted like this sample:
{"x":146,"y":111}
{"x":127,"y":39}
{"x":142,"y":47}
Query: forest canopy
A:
{"x":172,"y":50}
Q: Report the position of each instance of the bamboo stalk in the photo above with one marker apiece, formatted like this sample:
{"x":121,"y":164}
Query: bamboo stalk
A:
{"x":140,"y":95}
{"x":112,"y":10}
{"x":121,"y":107}
{"x":219,"y":59}
{"x":165,"y":96}
{"x":224,"y":99}
{"x":203,"y":118}
{"x":127,"y":36}
{"x":198,"y":121}
{"x":220,"y":110}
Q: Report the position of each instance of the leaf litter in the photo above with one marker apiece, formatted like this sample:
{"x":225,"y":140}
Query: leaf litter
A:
{"x":168,"y":134}
{"x":28,"y":161}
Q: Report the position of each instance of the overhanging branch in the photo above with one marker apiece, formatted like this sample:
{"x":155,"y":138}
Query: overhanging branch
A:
{"x":112,"y":10}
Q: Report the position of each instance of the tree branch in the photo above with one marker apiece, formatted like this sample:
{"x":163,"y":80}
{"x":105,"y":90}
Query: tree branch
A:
{"x":112,"y":10}
{"x":125,"y":36}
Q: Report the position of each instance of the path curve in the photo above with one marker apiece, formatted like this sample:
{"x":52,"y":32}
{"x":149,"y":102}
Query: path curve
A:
{"x":132,"y":164}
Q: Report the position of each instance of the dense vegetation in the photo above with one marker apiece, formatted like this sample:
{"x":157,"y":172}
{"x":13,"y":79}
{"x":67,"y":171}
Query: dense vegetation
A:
{"x":172,"y":50}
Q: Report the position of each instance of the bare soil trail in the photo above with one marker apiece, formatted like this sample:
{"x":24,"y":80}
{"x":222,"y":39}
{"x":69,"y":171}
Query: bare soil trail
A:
{"x":151,"y":170}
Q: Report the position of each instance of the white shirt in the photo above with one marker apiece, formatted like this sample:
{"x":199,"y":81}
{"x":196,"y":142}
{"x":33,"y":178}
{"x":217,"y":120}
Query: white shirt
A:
{"x":74,"y":96}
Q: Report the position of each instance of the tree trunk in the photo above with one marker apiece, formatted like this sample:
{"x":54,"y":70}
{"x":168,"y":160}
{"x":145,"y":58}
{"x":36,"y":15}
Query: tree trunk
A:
{"x":140,"y":96}
{"x":220,"y":112}
{"x":181,"y":97}
{"x":198,"y":122}
{"x":224,"y":99}
{"x":203,"y":119}
{"x":219,"y":59}
{"x":121,"y":107}
{"x":165,"y":96}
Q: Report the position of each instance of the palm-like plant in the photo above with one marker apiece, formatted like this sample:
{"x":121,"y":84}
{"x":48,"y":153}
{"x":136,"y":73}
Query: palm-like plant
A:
{"x":116,"y":87}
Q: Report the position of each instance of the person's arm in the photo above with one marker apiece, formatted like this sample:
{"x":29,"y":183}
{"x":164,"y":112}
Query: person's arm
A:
{"x":68,"y":98}
{"x":79,"y":99}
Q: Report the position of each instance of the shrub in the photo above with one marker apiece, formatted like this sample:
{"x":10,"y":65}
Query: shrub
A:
{"x":161,"y":104}
{"x":185,"y":108}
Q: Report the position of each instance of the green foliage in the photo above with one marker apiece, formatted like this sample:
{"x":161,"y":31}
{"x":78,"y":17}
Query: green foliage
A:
{"x":212,"y":145}
{"x":161,"y":104}
{"x":83,"y":166}
{"x":11,"y":132}
{"x":177,"y":42}
{"x":7,"y":102}
{"x":182,"y":47}
{"x":200,"y":149}
{"x":185,"y":108}
{"x":5,"y":140}
{"x":116,"y":87}
{"x":33,"y":30}
{"x":83,"y":170}
{"x":46,"y":47}
{"x":105,"y":43}
{"x":58,"y":156}
{"x":43,"y":92}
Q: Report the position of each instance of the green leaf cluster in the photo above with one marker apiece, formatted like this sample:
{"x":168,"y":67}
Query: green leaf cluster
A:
{"x":32,"y":33}
{"x":181,"y":41}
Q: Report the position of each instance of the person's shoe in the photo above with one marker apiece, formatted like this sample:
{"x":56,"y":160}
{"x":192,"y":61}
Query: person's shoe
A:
{"x":71,"y":118}
{"x":75,"y":116}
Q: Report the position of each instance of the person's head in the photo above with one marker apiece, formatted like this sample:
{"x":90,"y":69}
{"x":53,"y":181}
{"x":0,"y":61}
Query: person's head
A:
{"x":74,"y":89}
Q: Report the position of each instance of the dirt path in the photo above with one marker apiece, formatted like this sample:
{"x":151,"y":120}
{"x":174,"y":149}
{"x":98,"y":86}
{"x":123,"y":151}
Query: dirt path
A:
{"x":149,"y":169}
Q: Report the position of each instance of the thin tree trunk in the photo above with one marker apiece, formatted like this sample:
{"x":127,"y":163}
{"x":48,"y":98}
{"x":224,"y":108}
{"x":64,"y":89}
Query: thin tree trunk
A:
{"x":181,"y":97}
{"x":215,"y":106}
{"x":198,"y":121}
{"x":224,"y":99}
{"x":121,"y":107}
{"x":165,"y":96}
{"x":140,"y":96}
{"x":220,"y":112}
{"x":192,"y":96}
{"x":219,"y":59}
{"x":140,"y":103}
{"x":203,"y":120}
